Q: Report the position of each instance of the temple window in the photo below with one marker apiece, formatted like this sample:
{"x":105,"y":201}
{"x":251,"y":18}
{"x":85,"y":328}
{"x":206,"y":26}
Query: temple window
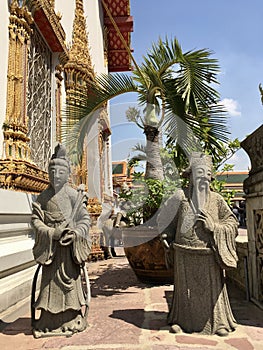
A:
{"x":39,"y":100}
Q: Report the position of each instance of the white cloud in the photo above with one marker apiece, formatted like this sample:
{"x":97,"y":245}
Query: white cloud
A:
{"x":231,"y":106}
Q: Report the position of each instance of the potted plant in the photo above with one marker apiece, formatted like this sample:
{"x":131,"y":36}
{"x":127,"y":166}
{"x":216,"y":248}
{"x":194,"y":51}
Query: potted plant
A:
{"x":142,"y":245}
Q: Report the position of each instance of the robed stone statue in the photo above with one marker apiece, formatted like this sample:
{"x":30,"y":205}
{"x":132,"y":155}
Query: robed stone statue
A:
{"x":61,"y":224}
{"x":199,"y":231}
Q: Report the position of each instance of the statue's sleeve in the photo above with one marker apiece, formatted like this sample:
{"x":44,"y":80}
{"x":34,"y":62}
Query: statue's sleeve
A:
{"x":82,"y":241}
{"x":44,"y":247}
{"x":168,"y":216}
{"x":224,"y":236}
{"x":167,"y":224}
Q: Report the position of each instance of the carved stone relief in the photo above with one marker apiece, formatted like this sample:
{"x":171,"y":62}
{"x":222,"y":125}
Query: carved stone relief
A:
{"x":258,"y":220}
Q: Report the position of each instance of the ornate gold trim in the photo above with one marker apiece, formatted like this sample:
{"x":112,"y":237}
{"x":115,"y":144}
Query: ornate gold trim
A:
{"x":17,"y":174}
{"x":78,"y":73}
{"x":94,"y":207}
{"x":15,"y":125}
{"x":58,"y":94}
{"x":78,"y":70}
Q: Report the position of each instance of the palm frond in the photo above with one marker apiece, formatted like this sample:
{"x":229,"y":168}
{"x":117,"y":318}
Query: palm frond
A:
{"x":196,"y":133}
{"x":139,"y":147}
{"x":163,"y":55}
{"x":197,"y":72}
{"x":180,"y":85}
{"x":157,"y":65}
{"x":79,"y":117}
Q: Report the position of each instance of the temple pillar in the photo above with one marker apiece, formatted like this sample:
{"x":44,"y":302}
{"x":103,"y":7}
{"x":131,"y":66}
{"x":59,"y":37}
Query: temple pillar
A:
{"x":253,"y":188}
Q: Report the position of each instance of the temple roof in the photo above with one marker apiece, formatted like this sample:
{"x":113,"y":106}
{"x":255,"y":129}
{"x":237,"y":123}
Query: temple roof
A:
{"x":118,"y":57}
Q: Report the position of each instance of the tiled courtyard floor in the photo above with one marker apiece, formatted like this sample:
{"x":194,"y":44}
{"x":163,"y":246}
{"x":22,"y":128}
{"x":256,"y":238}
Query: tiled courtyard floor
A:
{"x":127,"y":314}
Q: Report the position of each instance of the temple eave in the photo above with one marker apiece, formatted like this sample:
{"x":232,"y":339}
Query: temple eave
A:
{"x":125,"y":23}
{"x":115,"y":69}
{"x":50,"y":31}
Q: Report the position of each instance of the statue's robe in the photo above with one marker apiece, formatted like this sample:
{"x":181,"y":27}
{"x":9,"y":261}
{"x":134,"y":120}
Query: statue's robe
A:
{"x":200,"y":300}
{"x":61,"y":294}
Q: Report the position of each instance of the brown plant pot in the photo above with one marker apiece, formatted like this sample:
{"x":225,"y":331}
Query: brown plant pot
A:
{"x":145,"y":254}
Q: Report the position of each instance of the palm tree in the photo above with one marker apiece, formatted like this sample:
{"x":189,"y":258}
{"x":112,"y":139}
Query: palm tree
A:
{"x":176,"y":93}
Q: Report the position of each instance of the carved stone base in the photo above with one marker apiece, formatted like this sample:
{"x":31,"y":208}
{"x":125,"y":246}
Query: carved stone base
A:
{"x":64,"y":323}
{"x":97,"y":252}
{"x":39,"y":334}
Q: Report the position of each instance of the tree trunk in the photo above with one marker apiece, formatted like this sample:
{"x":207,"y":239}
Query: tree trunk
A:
{"x":154,"y":167}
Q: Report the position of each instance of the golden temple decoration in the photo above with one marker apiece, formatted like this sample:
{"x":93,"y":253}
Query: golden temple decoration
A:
{"x":17,"y":171}
{"x":78,"y":73}
{"x":79,"y":51}
{"x":16,"y":174}
{"x":15,"y":125}
{"x":59,"y":79}
{"x":78,"y":69}
{"x":94,"y":207}
{"x":79,"y":173}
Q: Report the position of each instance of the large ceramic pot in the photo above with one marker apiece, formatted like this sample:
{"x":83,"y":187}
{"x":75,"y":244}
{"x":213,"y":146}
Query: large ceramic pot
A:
{"x":145,"y":254}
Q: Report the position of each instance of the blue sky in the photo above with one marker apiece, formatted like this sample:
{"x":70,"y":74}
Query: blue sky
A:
{"x":232,"y":30}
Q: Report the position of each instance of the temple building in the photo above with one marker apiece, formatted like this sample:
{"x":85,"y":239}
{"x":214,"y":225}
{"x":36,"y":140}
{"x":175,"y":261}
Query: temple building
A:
{"x":50,"y":50}
{"x":233,"y":181}
{"x":121,"y":173}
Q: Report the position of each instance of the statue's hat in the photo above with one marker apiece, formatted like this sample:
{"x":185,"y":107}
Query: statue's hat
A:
{"x":197,"y":159}
{"x":59,"y":157}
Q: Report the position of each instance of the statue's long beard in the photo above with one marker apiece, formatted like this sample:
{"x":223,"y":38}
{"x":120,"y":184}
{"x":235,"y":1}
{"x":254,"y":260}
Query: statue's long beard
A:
{"x":200,"y":194}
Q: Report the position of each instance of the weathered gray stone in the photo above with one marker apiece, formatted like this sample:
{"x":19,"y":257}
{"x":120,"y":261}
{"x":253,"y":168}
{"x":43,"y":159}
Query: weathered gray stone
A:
{"x":62,"y":245}
{"x":200,"y":230}
{"x":253,"y":187}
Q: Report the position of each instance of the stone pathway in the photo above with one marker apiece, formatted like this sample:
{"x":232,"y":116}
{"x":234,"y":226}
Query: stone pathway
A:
{"x":126,"y":314}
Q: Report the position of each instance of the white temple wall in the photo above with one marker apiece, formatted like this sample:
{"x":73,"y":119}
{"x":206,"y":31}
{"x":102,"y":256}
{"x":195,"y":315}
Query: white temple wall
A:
{"x":93,"y":11}
{"x":68,"y":13}
{"x":16,"y":242}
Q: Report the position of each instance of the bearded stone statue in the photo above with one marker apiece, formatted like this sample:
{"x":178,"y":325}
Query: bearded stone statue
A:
{"x":199,"y":230}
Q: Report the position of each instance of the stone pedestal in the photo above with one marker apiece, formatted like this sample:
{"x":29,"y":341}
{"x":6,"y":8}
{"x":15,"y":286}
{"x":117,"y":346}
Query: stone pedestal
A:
{"x":95,"y":209}
{"x":253,"y":188}
{"x":240,"y":275}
